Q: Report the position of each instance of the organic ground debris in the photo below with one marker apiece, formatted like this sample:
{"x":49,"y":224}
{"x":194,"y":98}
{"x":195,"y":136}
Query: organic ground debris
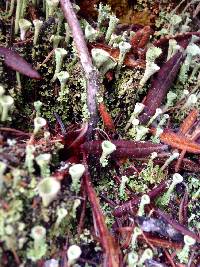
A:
{"x":99,"y":133}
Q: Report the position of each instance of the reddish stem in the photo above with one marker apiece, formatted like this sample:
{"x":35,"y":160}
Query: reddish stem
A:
{"x":110,"y":246}
{"x":176,"y":225}
{"x":128,"y":206}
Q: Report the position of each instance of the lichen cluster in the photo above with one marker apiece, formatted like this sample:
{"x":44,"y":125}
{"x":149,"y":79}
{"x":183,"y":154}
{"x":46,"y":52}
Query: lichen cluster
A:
{"x":39,"y":209}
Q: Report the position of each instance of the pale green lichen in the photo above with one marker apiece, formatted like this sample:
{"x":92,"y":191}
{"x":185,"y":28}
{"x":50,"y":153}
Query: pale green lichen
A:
{"x":76,"y":171}
{"x":3,"y":167}
{"x":107,"y":149}
{"x":19,"y":190}
{"x":6,"y":104}
{"x":124,"y":48}
{"x":103,"y":13}
{"x":136,"y":232}
{"x":73,"y":253}
{"x":151,"y":173}
{"x":24,"y":26}
{"x":43,"y":160}
{"x":173,"y":48}
{"x":145,"y":199}
{"x":90,"y":33}
{"x":39,"y":249}
{"x":192,"y":51}
{"x":183,"y":255}
{"x":102,"y":60}
{"x":122,"y":192}
{"x":151,"y":68}
{"x":48,"y":189}
{"x":165,"y":199}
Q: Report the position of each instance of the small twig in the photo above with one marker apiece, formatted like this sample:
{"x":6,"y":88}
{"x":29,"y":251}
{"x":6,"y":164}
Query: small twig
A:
{"x":155,"y":241}
{"x":92,"y":75}
{"x":59,"y":121}
{"x":128,"y":206}
{"x":177,"y":7}
{"x":169,"y":257}
{"x":109,"y":244}
{"x":148,"y":242}
{"x":160,"y":242}
{"x":15,"y":131}
{"x":16,"y":257}
{"x":191,"y":260}
{"x":82,"y":216}
{"x":182,"y":214}
{"x":111,"y":203}
{"x":21,"y":43}
{"x":46,"y":59}
{"x":93,"y":263}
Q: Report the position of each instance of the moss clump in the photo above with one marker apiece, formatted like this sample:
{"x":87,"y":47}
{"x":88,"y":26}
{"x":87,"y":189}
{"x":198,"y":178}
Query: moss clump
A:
{"x":121,"y":96}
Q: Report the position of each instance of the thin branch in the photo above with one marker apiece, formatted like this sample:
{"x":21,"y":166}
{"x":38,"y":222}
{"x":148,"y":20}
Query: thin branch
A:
{"x":110,"y":246}
{"x":176,"y":225}
{"x":92,"y":75}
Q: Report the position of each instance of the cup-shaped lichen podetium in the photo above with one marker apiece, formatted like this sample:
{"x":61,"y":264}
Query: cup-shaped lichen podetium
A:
{"x":73,"y":253}
{"x":24,"y":26}
{"x":39,"y":249}
{"x":76,"y":171}
{"x":111,"y":27}
{"x":37,"y":24}
{"x":60,"y":53}
{"x":6,"y":102}
{"x":38,"y":233}
{"x":124,"y":48}
{"x":2,"y":91}
{"x":51,"y":6}
{"x":62,"y":76}
{"x":145,"y":199}
{"x":48,"y":189}
{"x":43,"y":161}
{"x":102,"y":60}
{"x":107,"y":148}
{"x":39,"y":123}
{"x":183,"y":255}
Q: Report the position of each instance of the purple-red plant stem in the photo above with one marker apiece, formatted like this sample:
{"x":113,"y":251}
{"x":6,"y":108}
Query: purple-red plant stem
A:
{"x":124,"y":148}
{"x":168,"y":256}
{"x":187,"y":164}
{"x":127,"y":207}
{"x":182,"y":214}
{"x":14,"y":131}
{"x":176,"y":225}
{"x":109,"y":244}
{"x":111,"y":203}
{"x":91,"y":74}
{"x":80,"y":138}
{"x":157,"y":242}
{"x":83,"y":210}
{"x":188,"y":122}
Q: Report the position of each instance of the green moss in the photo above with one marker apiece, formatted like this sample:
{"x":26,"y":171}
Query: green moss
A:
{"x":123,"y":94}
{"x":151,"y":175}
{"x":20,"y":208}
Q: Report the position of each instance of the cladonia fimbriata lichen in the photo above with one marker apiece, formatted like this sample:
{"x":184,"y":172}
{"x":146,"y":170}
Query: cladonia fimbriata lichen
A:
{"x":151,"y":67}
{"x":107,"y":149}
